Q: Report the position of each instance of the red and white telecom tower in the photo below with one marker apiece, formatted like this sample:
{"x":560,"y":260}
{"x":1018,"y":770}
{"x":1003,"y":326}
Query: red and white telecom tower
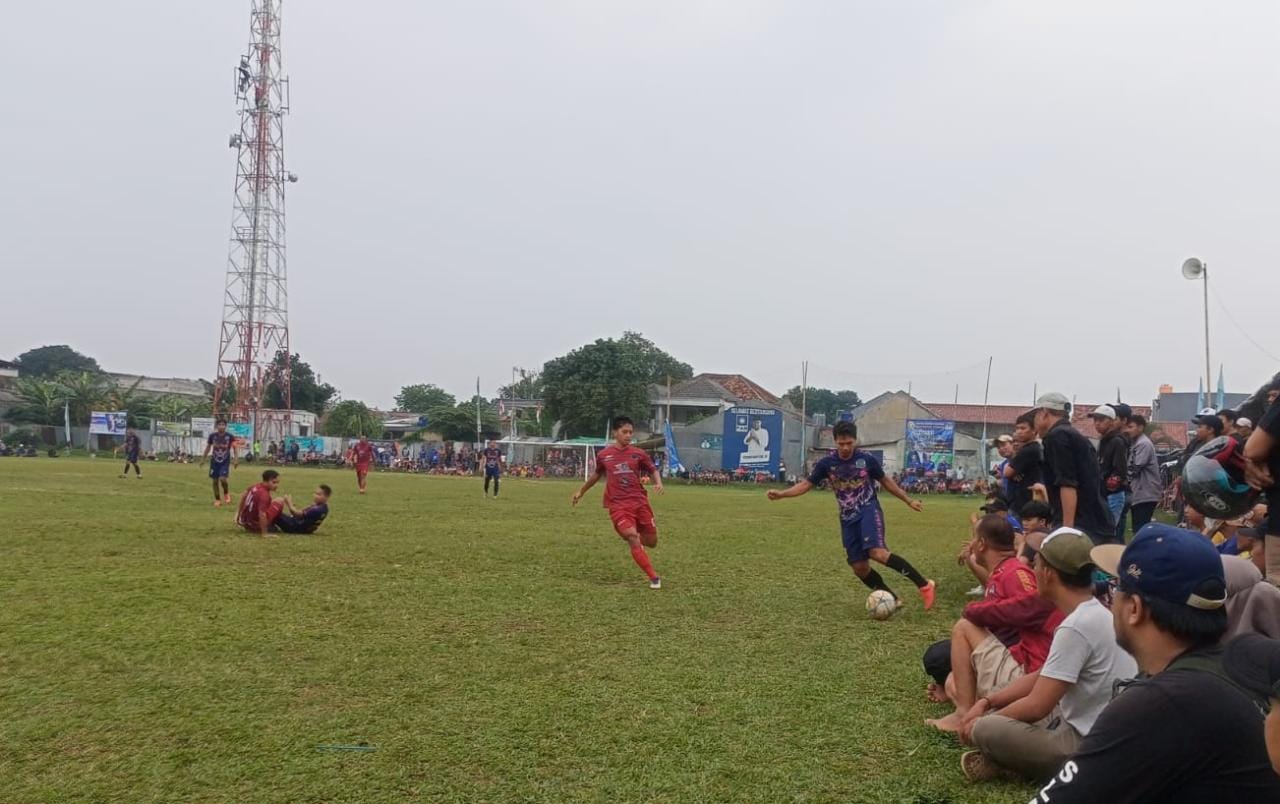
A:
{"x":255,"y":312}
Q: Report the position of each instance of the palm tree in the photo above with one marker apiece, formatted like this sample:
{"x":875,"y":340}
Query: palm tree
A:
{"x":139,"y":406}
{"x":39,"y":401}
{"x":83,"y":392}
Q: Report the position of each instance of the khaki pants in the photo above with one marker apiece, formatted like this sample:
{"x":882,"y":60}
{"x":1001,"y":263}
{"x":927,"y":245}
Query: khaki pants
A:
{"x":1031,"y":750}
{"x":994,"y":668}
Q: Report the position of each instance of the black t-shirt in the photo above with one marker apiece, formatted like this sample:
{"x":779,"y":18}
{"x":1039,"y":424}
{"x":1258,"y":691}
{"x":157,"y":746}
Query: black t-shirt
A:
{"x":1113,"y":461}
{"x":1181,"y":736}
{"x":1071,"y":461}
{"x":1026,"y":464}
{"x":1271,"y":424}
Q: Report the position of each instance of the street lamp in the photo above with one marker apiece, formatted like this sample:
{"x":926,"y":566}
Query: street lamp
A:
{"x":1193,"y":268}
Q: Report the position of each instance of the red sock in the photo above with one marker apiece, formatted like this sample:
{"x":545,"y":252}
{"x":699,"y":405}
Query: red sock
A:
{"x":642,"y":559}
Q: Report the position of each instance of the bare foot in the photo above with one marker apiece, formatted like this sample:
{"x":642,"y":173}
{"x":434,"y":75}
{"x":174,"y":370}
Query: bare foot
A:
{"x":936,"y":692}
{"x":951,"y":723}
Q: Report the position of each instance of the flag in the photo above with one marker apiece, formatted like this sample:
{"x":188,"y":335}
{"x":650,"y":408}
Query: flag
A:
{"x":66,"y":421}
{"x":1200,"y":398}
{"x":673,"y":457}
{"x":1222,"y":390}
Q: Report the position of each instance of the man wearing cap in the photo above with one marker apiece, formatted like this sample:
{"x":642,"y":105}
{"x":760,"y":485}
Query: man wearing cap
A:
{"x":1004,"y":448}
{"x":1244,"y":429}
{"x":1042,"y":716}
{"x":1253,"y":662}
{"x":1071,"y":472}
{"x":1185,"y":733}
{"x":1113,"y":463}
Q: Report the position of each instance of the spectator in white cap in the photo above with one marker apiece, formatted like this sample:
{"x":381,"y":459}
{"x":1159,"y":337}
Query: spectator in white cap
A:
{"x":1113,"y":463}
{"x":1071,"y":472}
{"x":1040,"y":718}
{"x":1244,"y":429}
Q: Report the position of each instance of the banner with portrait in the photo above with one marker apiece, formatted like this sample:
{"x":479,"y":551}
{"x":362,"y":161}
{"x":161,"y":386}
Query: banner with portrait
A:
{"x":109,"y":422}
{"x":752,"y":440}
{"x":931,"y":445}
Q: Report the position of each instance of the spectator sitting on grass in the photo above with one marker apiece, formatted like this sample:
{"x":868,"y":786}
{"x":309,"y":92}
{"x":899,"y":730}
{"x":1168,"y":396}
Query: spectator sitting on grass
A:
{"x":999,"y":638}
{"x":1028,"y":735}
{"x":1184,"y":734}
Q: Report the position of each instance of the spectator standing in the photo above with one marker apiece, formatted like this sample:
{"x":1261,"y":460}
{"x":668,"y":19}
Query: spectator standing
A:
{"x":1004,"y":448}
{"x":1071,"y":472}
{"x":1145,"y":487}
{"x":1262,"y":469}
{"x":1113,"y":463}
{"x":1185,"y":734}
{"x":1084,"y":664}
{"x":1025,"y":469}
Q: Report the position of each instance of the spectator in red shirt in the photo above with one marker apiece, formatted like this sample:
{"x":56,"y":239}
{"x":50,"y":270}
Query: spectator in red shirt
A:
{"x":257,"y":510}
{"x":1003,"y":636}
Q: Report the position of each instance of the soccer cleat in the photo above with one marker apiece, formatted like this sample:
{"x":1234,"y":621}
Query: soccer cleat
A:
{"x":655,"y":583}
{"x":927,"y":594}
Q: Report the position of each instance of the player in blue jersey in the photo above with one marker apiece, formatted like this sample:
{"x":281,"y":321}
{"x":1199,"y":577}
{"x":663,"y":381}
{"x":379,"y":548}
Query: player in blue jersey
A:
{"x":308,"y":520}
{"x":132,"y":446}
{"x":492,"y":457}
{"x":221,"y":450}
{"x":853,"y":474}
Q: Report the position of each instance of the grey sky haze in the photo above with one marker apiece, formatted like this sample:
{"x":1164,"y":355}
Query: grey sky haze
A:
{"x":893,"y":191}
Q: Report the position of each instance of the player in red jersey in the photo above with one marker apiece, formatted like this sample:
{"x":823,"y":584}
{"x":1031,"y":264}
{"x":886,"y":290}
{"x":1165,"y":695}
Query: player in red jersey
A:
{"x":361,"y":455}
{"x":257,"y":510}
{"x":623,"y":466}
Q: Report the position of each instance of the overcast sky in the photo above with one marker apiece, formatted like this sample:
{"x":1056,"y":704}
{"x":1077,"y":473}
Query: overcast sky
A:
{"x":892,"y":190}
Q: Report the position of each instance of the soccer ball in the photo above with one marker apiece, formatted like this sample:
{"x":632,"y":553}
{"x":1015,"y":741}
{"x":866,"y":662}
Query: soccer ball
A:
{"x":881,"y":605}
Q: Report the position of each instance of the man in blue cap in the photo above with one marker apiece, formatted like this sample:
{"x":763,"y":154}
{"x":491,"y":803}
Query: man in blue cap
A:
{"x":1186,"y":732}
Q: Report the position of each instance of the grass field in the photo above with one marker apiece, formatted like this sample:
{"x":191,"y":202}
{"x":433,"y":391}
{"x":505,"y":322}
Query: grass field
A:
{"x":489,"y":650}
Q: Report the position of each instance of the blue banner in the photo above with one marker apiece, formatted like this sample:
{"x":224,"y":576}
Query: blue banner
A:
{"x":673,"y":456}
{"x":752,"y":440}
{"x":930,"y":445}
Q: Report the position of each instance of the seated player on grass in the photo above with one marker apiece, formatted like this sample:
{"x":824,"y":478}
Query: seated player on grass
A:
{"x":1041,"y":718}
{"x":854,"y":476}
{"x":258,"y":512}
{"x":309,"y":519}
{"x":1001,"y":637}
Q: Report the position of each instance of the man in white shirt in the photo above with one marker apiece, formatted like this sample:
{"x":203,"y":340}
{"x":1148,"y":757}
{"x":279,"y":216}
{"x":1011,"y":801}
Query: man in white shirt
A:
{"x":757,"y":441}
{"x":1042,"y":717}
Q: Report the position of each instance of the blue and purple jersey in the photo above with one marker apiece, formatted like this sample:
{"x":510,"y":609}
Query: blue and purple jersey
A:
{"x":132,"y":444}
{"x":492,"y":459}
{"x":853,"y":481}
{"x":221,"y":443}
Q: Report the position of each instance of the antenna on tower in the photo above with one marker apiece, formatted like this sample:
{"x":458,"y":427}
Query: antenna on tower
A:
{"x":253,"y":347}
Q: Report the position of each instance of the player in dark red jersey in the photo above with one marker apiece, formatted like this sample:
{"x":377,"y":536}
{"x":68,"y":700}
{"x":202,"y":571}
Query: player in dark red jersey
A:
{"x":362,"y":455}
{"x":258,"y":512}
{"x":622,"y":467}
{"x":223,"y":446}
{"x":132,"y":446}
{"x":492,"y":457}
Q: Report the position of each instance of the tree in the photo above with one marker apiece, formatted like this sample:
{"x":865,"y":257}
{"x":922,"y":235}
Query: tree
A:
{"x":50,"y":361}
{"x":529,"y":386}
{"x":458,"y":422}
{"x":351,"y":418}
{"x":84,"y":392}
{"x":824,"y":401}
{"x":175,"y":408}
{"x":608,"y":378}
{"x":423,"y":397}
{"x":306,"y":392}
{"x":39,"y":401}
{"x":139,"y":406}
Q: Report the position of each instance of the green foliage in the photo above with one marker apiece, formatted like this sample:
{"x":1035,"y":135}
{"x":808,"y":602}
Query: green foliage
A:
{"x":529,"y":386}
{"x":351,"y":418}
{"x":458,"y":422}
{"x":593,"y":383}
{"x":139,"y":406}
{"x":174,"y":408}
{"x":84,"y":392}
{"x":39,"y":401}
{"x":423,"y":397}
{"x":495,"y":652}
{"x":825,"y":401}
{"x":306,"y":392}
{"x":50,"y":361}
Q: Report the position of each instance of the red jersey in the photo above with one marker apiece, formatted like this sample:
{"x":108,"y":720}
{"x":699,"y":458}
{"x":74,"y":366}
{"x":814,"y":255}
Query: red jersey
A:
{"x":623,"y":470}
{"x":255,"y":502}
{"x":1015,"y":613}
{"x":363,"y":453}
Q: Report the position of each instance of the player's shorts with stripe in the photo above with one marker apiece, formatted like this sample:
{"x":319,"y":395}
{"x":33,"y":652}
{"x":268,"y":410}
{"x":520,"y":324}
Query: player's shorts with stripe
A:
{"x":638,"y":514}
{"x":219,"y":469}
{"x":863,"y":535}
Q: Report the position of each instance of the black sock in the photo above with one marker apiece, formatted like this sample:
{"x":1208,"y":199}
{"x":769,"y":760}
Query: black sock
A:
{"x":873,"y":581}
{"x":897,"y":562}
{"x":486,"y":484}
{"x":495,"y":487}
